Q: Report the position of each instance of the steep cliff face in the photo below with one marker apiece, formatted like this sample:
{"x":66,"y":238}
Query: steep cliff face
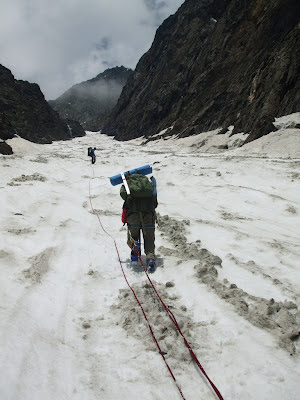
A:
{"x":90,"y":102}
{"x":24,"y":111}
{"x":213,"y":64}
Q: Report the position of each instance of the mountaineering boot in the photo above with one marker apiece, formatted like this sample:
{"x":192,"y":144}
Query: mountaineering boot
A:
{"x":151,"y":265}
{"x":135,"y":251}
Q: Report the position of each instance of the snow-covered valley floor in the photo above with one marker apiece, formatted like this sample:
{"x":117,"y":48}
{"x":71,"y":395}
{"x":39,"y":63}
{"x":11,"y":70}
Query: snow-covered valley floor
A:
{"x":228,"y":247}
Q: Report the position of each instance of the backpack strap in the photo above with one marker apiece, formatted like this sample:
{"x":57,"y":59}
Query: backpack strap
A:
{"x":125,"y":183}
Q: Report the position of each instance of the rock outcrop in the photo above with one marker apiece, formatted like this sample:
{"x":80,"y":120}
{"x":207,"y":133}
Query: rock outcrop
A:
{"x":25,"y":112}
{"x":213,"y":64}
{"x":90,"y":102}
{"x":5,"y":148}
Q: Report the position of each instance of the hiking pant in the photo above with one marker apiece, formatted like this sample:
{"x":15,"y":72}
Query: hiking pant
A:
{"x":145,"y":222}
{"x":93,"y":159}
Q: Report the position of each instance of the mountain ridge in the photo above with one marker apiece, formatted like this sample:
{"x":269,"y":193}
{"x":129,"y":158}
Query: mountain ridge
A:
{"x":25,"y":112}
{"x":213,"y":64}
{"x":91,"y":101}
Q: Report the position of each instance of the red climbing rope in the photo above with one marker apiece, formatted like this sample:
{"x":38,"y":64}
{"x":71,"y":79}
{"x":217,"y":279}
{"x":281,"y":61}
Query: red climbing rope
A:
{"x":136,"y":298}
{"x":173,"y":319}
{"x":168,"y":311}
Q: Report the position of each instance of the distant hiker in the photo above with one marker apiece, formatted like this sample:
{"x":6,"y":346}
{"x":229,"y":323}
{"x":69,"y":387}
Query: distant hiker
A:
{"x":139,"y":214}
{"x":93,"y":155}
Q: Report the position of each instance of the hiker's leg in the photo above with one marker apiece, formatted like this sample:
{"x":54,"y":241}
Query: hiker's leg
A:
{"x":133,"y":228}
{"x":149,"y":235}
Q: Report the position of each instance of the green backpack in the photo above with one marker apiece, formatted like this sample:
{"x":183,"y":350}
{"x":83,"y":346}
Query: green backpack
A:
{"x":141,"y":193}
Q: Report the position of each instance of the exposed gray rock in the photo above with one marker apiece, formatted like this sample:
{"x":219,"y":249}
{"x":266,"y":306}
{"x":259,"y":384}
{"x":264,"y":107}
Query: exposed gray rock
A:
{"x":5,"y":149}
{"x":91,"y":101}
{"x":213,"y":64}
{"x":24,"y":111}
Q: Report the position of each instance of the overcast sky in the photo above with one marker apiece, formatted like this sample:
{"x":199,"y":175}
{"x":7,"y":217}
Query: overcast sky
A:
{"x":57,"y":43}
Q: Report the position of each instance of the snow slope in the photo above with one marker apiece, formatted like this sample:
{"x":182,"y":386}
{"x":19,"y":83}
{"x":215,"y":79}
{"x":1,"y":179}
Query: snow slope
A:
{"x":228,"y":249}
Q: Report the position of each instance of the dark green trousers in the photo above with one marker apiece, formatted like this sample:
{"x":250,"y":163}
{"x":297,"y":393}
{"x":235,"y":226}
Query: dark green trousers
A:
{"x":145,"y":222}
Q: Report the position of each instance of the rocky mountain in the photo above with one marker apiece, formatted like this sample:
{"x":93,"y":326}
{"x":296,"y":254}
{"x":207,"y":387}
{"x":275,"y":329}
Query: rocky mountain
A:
{"x":25,"y":112}
{"x":91,"y":101}
{"x":213,"y":64}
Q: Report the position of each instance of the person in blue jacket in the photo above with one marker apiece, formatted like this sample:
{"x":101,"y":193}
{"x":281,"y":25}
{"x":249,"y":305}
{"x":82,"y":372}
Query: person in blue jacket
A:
{"x":93,"y":155}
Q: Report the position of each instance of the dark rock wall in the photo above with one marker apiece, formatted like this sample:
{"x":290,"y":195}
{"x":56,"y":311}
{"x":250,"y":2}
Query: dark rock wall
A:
{"x":5,"y":149}
{"x":24,"y":111}
{"x":213,"y":64}
{"x":90,"y":102}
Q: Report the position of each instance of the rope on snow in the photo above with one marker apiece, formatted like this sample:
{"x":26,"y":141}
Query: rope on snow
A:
{"x":168,"y":311}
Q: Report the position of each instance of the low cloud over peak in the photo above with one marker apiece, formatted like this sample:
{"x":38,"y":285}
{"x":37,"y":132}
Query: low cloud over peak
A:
{"x":60,"y":44}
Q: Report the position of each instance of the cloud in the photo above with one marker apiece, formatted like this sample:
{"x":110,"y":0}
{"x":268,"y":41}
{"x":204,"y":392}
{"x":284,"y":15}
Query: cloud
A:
{"x":99,"y":91}
{"x":57,"y":43}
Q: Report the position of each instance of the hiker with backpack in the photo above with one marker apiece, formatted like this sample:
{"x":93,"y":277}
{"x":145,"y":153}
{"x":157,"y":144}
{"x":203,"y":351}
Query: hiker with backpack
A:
{"x":91,"y":153}
{"x":139,"y":215}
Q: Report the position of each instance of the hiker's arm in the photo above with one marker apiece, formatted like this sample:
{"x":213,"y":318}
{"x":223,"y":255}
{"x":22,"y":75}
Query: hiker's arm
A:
{"x":124,"y":213}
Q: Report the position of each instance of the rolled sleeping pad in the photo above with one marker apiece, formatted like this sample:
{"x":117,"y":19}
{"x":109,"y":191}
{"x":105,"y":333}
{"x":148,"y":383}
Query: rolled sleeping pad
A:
{"x":153,"y":180}
{"x":117,"y":179}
